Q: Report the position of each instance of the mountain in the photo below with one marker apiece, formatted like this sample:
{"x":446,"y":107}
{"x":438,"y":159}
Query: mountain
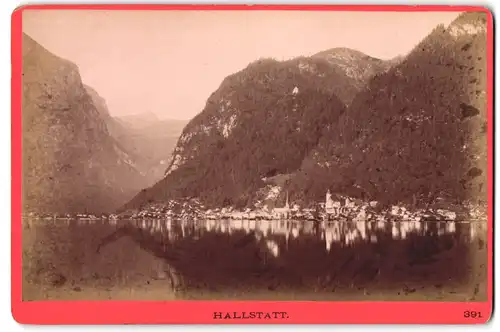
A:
{"x":140,"y":120}
{"x":151,"y":144}
{"x":260,"y":77}
{"x":417,"y":133}
{"x":358,"y":67}
{"x":71,"y":163}
{"x":114,"y":127}
{"x":146,"y":139}
{"x":259,"y":123}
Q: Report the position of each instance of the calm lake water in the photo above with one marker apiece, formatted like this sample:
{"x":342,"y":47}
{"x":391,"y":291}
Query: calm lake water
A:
{"x":259,"y":257}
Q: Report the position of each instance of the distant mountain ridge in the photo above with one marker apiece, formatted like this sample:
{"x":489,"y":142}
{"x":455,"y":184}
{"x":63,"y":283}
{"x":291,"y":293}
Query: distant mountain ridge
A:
{"x":139,"y":120}
{"x":148,"y":140}
{"x":152,"y":143}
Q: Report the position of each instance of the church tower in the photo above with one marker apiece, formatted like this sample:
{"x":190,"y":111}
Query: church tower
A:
{"x":328,"y":201}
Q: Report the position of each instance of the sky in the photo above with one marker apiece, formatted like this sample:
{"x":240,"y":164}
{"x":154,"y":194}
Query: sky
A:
{"x":169,"y":62}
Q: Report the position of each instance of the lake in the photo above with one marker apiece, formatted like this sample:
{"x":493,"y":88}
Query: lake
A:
{"x":254,"y":260}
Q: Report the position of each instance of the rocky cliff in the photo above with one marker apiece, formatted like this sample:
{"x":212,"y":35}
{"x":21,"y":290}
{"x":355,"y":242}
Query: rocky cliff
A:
{"x":71,"y":163}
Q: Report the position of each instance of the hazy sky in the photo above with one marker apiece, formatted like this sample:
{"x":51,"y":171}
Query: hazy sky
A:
{"x":169,"y":62}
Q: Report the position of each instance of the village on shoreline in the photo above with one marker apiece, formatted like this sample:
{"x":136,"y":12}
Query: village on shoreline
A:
{"x":346,"y":209}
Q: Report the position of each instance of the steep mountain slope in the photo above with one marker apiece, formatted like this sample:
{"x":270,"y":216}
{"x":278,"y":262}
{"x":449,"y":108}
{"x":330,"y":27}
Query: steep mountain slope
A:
{"x":261,"y":121}
{"x":147,"y":140}
{"x":417,"y":133}
{"x":115,"y":128}
{"x":314,"y":73}
{"x":70,"y":162}
{"x":152,"y":143}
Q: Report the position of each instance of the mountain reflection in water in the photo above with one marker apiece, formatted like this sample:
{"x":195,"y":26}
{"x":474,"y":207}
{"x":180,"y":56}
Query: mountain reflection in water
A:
{"x":265,"y":254}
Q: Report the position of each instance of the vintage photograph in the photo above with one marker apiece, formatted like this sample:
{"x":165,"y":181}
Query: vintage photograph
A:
{"x":254,"y":155}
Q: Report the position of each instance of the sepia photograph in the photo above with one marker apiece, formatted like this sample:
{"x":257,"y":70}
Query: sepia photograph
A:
{"x":253,"y":155}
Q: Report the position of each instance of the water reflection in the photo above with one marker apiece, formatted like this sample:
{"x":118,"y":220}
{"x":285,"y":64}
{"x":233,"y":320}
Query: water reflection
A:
{"x":344,"y":234}
{"x":223,"y":253}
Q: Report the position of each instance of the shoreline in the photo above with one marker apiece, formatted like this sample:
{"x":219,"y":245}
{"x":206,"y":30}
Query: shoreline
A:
{"x":194,"y":210}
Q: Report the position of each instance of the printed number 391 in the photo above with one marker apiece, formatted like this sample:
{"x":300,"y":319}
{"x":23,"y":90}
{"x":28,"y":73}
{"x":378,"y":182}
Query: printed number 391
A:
{"x":472,"y":314}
